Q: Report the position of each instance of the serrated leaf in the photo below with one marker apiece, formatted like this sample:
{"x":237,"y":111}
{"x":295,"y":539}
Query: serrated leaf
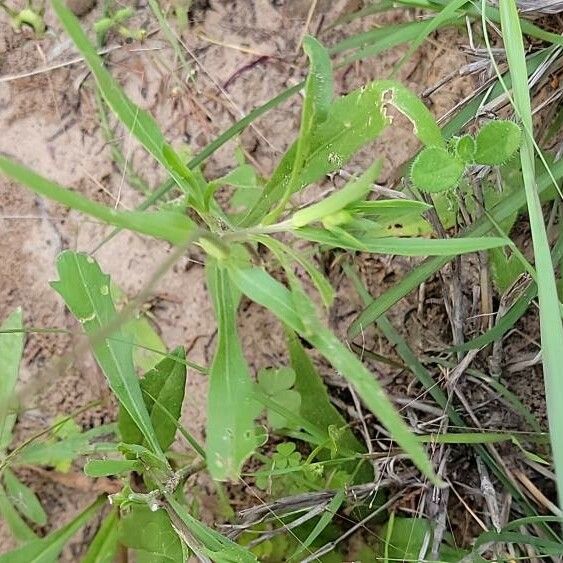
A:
{"x":85,"y":289}
{"x":105,"y":467}
{"x":163,"y":392}
{"x":496,"y":142}
{"x":48,"y":549}
{"x":435,"y":170}
{"x":150,"y":535}
{"x":24,"y":499}
{"x":11,"y":348}
{"x":103,"y":547}
{"x":231,"y":433}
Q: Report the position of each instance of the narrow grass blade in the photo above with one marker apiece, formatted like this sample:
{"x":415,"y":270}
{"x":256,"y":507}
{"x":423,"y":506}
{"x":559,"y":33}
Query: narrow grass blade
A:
{"x":551,"y":326}
{"x":508,"y":206}
{"x":265,"y":290}
{"x":139,"y":122}
{"x":11,"y":348}
{"x":402,"y":246}
{"x":231,"y":409}
{"x":435,"y":391}
{"x":48,"y":549}
{"x":85,"y":290}
{"x":165,"y":225}
{"x":283,"y":251}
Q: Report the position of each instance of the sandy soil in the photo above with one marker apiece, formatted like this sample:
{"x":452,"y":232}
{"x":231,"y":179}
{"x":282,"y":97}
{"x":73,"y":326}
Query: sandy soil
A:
{"x":239,"y":54}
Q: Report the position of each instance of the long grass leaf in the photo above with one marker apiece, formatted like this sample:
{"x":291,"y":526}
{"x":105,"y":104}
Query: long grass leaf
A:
{"x":508,"y":206}
{"x":47,"y":549}
{"x":165,"y":225}
{"x":551,"y":327}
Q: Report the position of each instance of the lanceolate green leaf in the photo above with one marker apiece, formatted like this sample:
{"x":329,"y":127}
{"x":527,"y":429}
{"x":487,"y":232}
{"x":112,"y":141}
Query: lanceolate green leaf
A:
{"x":402,"y":246}
{"x":20,"y":530}
{"x":231,"y":435}
{"x":165,"y":225}
{"x":318,"y":97}
{"x":163,"y":393}
{"x":11,"y":348}
{"x":85,"y":289}
{"x":47,"y":549}
{"x":265,"y":290}
{"x":24,"y":499}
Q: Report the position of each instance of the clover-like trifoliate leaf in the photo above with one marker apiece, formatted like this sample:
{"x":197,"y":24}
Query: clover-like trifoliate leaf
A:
{"x":496,"y":142}
{"x":435,"y":170}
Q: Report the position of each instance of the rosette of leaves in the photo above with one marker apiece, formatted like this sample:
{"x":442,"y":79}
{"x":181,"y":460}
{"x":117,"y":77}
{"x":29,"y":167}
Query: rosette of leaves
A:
{"x":437,"y":169}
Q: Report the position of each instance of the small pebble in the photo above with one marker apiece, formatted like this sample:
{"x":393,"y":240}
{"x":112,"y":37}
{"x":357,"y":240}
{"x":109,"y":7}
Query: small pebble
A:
{"x":80,"y":7}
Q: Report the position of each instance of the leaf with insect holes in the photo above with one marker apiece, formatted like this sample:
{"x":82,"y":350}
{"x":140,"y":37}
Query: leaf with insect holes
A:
{"x":163,"y":393}
{"x":277,"y":385}
{"x":231,"y":432}
{"x":48,"y":548}
{"x":464,"y":148}
{"x":435,"y":170}
{"x":85,"y":289}
{"x":24,"y":499}
{"x":496,"y":142}
{"x":11,"y":348}
{"x":353,"y":121}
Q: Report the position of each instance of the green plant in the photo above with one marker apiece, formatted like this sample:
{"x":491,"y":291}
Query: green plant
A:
{"x":151,"y":515}
{"x":436,"y":169}
{"x":29,"y":16}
